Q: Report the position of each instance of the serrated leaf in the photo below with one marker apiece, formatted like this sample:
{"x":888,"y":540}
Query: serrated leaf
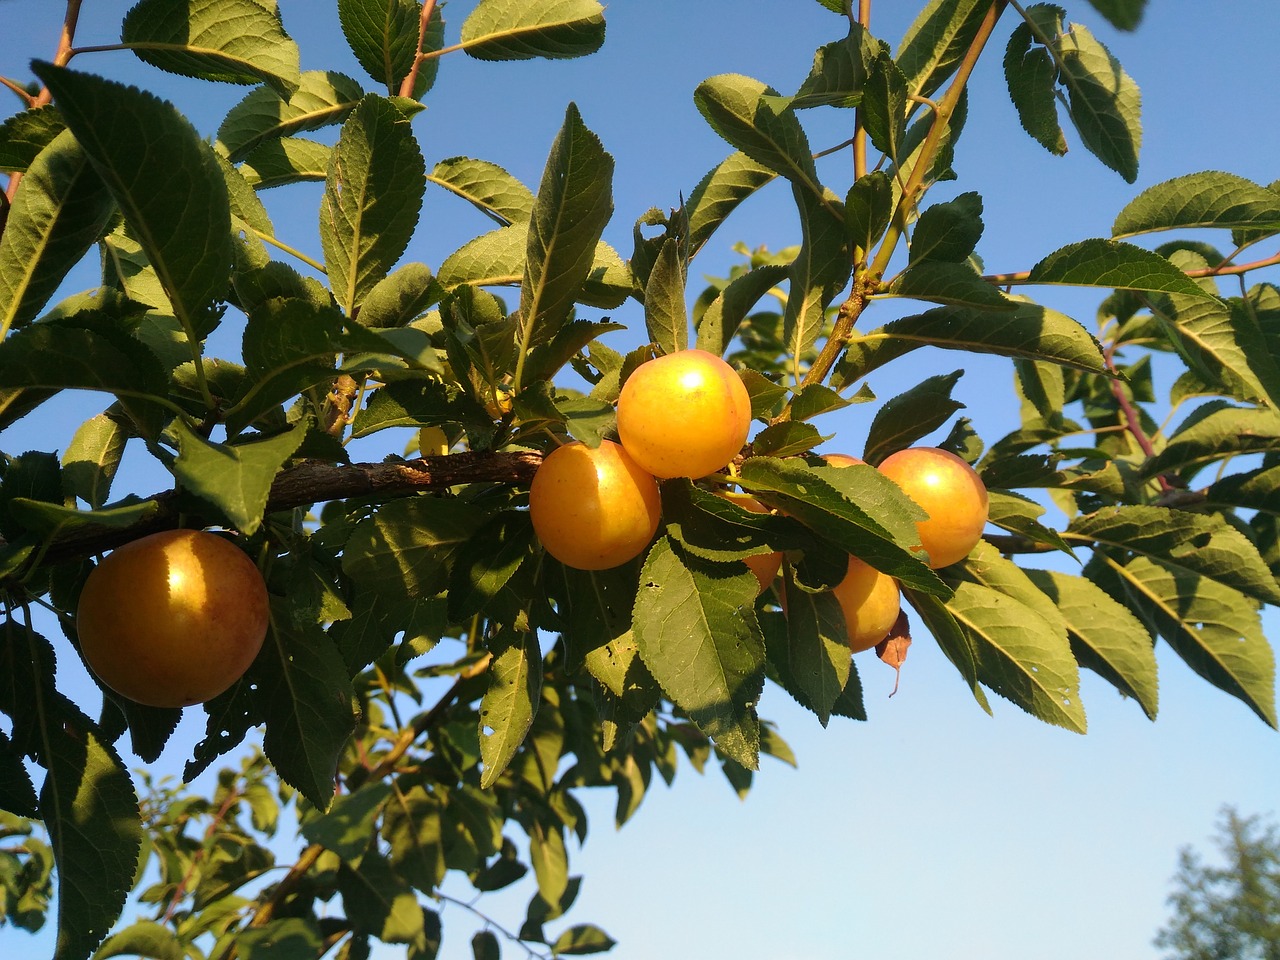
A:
{"x":17,"y":794}
{"x":956,"y":643}
{"x":839,"y":71}
{"x":496,"y":258}
{"x":948,"y":231}
{"x":1195,"y":545}
{"x":1029,"y":331}
{"x":234,"y":478}
{"x":91,"y":811}
{"x":379,"y":901}
{"x":1105,"y":636}
{"x":1021,"y":656}
{"x":276,"y":163}
{"x":487,"y":562}
{"x":868,"y":208}
{"x":857,"y":508}
{"x":232,"y":41}
{"x":884,"y":108}
{"x":957,"y":284}
{"x":59,"y":211}
{"x":25,"y":134}
{"x":164,"y":179}
{"x":720,"y":321}
{"x":904,"y":419}
{"x":819,"y":662}
{"x":742,"y":111}
{"x":383,"y":35}
{"x":1207,"y":199}
{"x":290,"y":938}
{"x":1253,"y":490}
{"x":934,"y":44}
{"x":142,"y":938}
{"x":487,"y":187}
{"x":1121,"y":14}
{"x":1105,"y":103}
{"x":312,"y":713}
{"x":1020,"y":515}
{"x":574,"y":202}
{"x":718,"y":194}
{"x":1213,"y":628}
{"x":665,"y":314}
{"x":348,"y":825}
{"x":323,"y":98}
{"x":1031,"y":76}
{"x":525,"y":29}
{"x":371,"y":200}
{"x":697,"y":633}
{"x":1112,"y":263}
{"x":509,"y":703}
{"x":1214,"y":433}
{"x":786,"y":439}
{"x":400,"y":297}
{"x":409,"y":543}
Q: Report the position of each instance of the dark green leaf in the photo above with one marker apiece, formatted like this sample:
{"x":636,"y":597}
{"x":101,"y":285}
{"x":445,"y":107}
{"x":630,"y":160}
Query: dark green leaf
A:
{"x":868,"y":208}
{"x":948,"y":231}
{"x":290,"y":938}
{"x":408,"y":544}
{"x":379,"y":901}
{"x":1121,"y":14}
{"x":819,"y":272}
{"x":819,"y":662}
{"x":1214,"y":433}
{"x":510,"y":702}
{"x":786,"y":439}
{"x":697,"y":633}
{"x":487,"y":562}
{"x":958,"y":645}
{"x":1105,"y":103}
{"x":839,"y":71}
{"x":323,"y":98}
{"x":934,"y":44}
{"x":484,"y":946}
{"x":665,"y":314}
{"x":950,"y":283}
{"x":163,"y":177}
{"x":371,"y":199}
{"x":718,"y":194}
{"x":17,"y":794}
{"x":1208,"y":199}
{"x":1031,"y":76}
{"x":1112,"y":263}
{"x":143,"y":938}
{"x":884,"y":107}
{"x":347,"y":827}
{"x":574,"y":202}
{"x":904,"y":419}
{"x":287,"y":160}
{"x":25,"y":134}
{"x":383,"y":34}
{"x":720,"y":321}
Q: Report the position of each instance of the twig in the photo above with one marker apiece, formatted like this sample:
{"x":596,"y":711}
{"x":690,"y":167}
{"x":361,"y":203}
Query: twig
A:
{"x":411,"y":78}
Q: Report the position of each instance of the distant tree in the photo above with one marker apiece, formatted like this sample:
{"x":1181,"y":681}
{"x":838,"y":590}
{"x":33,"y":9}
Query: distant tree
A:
{"x":1229,"y":911}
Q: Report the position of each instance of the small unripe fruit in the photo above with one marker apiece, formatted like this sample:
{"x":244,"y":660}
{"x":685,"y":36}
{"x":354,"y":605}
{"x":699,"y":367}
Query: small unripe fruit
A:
{"x":871,"y":602}
{"x":950,"y":492}
{"x":685,"y":414}
{"x":173,"y":618}
{"x":593,"y":508}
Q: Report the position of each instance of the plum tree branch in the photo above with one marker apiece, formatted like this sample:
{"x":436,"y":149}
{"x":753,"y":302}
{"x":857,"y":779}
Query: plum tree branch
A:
{"x":300,"y":486}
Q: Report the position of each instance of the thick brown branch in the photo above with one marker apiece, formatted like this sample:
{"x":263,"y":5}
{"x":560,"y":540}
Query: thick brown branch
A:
{"x":310,"y":483}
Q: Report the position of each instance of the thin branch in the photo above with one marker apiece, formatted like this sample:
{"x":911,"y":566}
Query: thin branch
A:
{"x":1222,"y":270}
{"x":28,"y":99}
{"x":411,"y":78}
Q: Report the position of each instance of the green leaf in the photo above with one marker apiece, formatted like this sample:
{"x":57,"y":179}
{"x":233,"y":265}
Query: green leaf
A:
{"x":60,"y":209}
{"x":1031,"y":76}
{"x":574,"y":202}
{"x":948,"y":231}
{"x":235,"y":478}
{"x":290,"y":938}
{"x":379,"y":901}
{"x":868,"y":208}
{"x":957,"y":643}
{"x":697,"y":633}
{"x":1213,"y":628}
{"x":904,"y":419}
{"x":383,"y":34}
{"x":25,"y":134}
{"x":1105,"y":636}
{"x":1189,"y":544}
{"x":786,"y":439}
{"x":487,"y":187}
{"x":1112,"y":263}
{"x":164,"y":178}
{"x":347,"y":827}
{"x":17,"y":794}
{"x":1207,"y":199}
{"x":884,"y":108}
{"x":950,"y":283}
{"x":487,"y":562}
{"x":510,"y":702}
{"x":412,"y":830}
{"x":1214,"y":433}
{"x":400,"y":298}
{"x":323,"y":98}
{"x":665,"y":314}
{"x":720,"y":321}
{"x":525,"y":29}
{"x":91,"y":811}
{"x":143,"y":938}
{"x":312,"y":712}
{"x":1029,"y":331}
{"x":856,"y":507}
{"x":491,"y":259}
{"x":232,"y":41}
{"x":582,"y":939}
{"x":1020,"y":655}
{"x":550,"y":862}
{"x":408,"y":544}
{"x":1121,"y":14}
{"x":819,"y":663}
{"x":485,"y":946}
{"x":371,"y":199}
{"x":839,"y":71}
{"x":1105,"y":103}
{"x":1021,"y":515}
{"x":718,"y":194}
{"x":935,"y":43}
{"x":276,"y":163}
{"x":744,"y":111}
{"x":819,"y":272}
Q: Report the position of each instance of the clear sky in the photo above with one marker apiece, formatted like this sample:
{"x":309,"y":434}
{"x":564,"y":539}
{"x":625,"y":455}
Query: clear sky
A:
{"x":932,"y":830}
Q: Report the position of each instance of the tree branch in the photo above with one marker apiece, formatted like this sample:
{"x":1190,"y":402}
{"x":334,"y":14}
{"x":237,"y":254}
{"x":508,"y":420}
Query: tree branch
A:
{"x":301,"y":486}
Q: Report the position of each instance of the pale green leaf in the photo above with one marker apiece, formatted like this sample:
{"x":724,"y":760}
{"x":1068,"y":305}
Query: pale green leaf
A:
{"x":290,"y":938}
{"x":509,"y":703}
{"x":143,"y":938}
{"x":323,"y":98}
{"x":232,"y":41}
{"x":59,"y":211}
{"x":487,"y":187}
{"x":697,"y":633}
{"x":1206,"y":199}
{"x":525,"y":29}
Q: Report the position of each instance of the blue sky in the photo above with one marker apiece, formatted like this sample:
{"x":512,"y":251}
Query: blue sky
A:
{"x":933,"y":830}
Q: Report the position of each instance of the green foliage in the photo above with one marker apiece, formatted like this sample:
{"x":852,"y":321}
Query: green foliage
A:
{"x":435,"y":691}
